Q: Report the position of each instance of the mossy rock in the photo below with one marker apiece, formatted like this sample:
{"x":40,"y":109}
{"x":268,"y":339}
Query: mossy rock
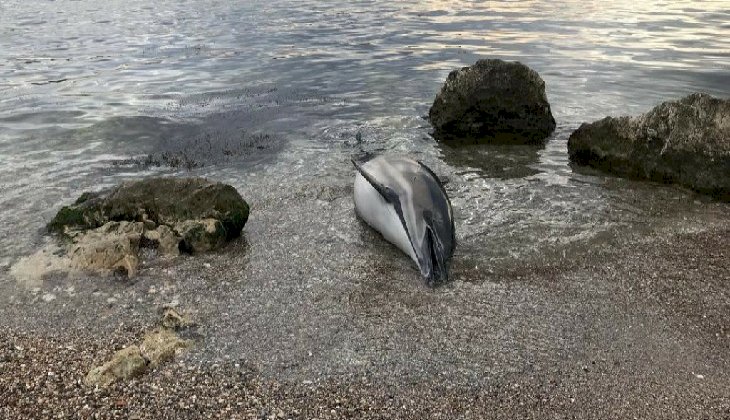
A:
{"x":171,"y":202}
{"x":685,"y":142}
{"x":492,"y":102}
{"x":67,"y":216}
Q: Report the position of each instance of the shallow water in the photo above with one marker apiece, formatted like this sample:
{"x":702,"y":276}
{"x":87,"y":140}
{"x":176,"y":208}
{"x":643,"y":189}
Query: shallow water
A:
{"x":280,"y":89}
{"x":269,"y":96}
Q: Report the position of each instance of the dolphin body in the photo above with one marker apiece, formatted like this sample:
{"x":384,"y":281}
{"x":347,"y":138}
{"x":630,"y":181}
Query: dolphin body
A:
{"x":404,"y":200}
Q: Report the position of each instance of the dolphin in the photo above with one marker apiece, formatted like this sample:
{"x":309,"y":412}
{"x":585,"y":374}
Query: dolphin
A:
{"x":404,"y":200}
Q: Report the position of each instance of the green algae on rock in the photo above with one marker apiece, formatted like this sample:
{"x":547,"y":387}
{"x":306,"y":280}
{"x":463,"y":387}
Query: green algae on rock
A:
{"x":164,"y":201}
{"x":105,"y":230}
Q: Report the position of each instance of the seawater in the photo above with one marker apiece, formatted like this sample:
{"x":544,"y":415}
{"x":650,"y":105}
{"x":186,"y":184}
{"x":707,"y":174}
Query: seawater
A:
{"x":270,"y":97}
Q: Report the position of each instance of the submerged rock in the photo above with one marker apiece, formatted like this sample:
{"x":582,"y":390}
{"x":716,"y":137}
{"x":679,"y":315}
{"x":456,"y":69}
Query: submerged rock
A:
{"x":493,"y":101}
{"x":105,"y":230}
{"x":685,"y":142}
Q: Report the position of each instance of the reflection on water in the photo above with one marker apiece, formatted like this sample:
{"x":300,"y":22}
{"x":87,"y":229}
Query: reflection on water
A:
{"x":271,"y":96}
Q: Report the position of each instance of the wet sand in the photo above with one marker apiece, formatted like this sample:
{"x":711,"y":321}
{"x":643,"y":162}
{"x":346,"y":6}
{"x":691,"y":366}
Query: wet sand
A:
{"x":635,"y":329}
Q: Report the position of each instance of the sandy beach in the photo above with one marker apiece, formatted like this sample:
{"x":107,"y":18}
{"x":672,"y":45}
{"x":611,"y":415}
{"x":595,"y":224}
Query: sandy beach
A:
{"x":651,"y":342}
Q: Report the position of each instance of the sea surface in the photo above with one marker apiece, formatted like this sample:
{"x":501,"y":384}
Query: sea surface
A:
{"x":272,"y":97}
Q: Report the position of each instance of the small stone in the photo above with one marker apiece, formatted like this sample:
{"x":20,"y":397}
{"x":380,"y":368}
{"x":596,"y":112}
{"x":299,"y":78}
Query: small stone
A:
{"x":172,"y":304}
{"x":174,"y":320}
{"x":160,"y":346}
{"x":48,"y":297}
{"x":125,"y":364}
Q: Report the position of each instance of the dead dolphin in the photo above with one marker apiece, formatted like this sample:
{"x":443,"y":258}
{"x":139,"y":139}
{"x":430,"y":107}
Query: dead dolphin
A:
{"x":404,"y":200}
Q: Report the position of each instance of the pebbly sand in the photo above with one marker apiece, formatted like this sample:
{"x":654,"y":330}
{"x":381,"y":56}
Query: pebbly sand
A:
{"x":636,"y":330}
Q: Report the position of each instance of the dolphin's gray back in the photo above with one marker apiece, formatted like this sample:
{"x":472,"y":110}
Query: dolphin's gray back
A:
{"x":423,"y":200}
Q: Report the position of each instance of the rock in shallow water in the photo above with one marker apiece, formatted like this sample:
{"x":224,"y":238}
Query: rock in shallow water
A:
{"x":685,"y":142}
{"x":493,"y":101}
{"x":163,"y":201}
{"x":105,"y":230}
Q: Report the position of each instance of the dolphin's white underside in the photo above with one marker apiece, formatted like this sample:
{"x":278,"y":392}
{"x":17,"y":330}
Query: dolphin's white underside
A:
{"x":381,"y":216}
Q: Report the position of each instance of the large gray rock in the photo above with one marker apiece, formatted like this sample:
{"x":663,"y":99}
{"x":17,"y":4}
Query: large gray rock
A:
{"x":493,"y":101}
{"x":105,"y":230}
{"x":685,"y":142}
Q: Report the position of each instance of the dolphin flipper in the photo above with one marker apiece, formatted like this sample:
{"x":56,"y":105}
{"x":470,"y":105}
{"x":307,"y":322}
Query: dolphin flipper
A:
{"x":388,"y":195}
{"x":386,"y":192}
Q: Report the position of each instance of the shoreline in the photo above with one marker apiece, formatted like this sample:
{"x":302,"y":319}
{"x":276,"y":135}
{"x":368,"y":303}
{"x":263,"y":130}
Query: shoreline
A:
{"x":676,"y":369}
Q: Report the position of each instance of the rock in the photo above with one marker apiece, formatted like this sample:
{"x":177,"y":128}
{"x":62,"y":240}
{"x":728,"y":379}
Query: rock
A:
{"x":493,"y":101}
{"x":164,"y":201}
{"x":164,"y":239}
{"x":104,"y":231}
{"x":112,"y":247}
{"x":201,"y":235}
{"x":161,"y":345}
{"x":174,"y":320}
{"x":158,"y":346}
{"x":685,"y":142}
{"x":125,"y":364}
